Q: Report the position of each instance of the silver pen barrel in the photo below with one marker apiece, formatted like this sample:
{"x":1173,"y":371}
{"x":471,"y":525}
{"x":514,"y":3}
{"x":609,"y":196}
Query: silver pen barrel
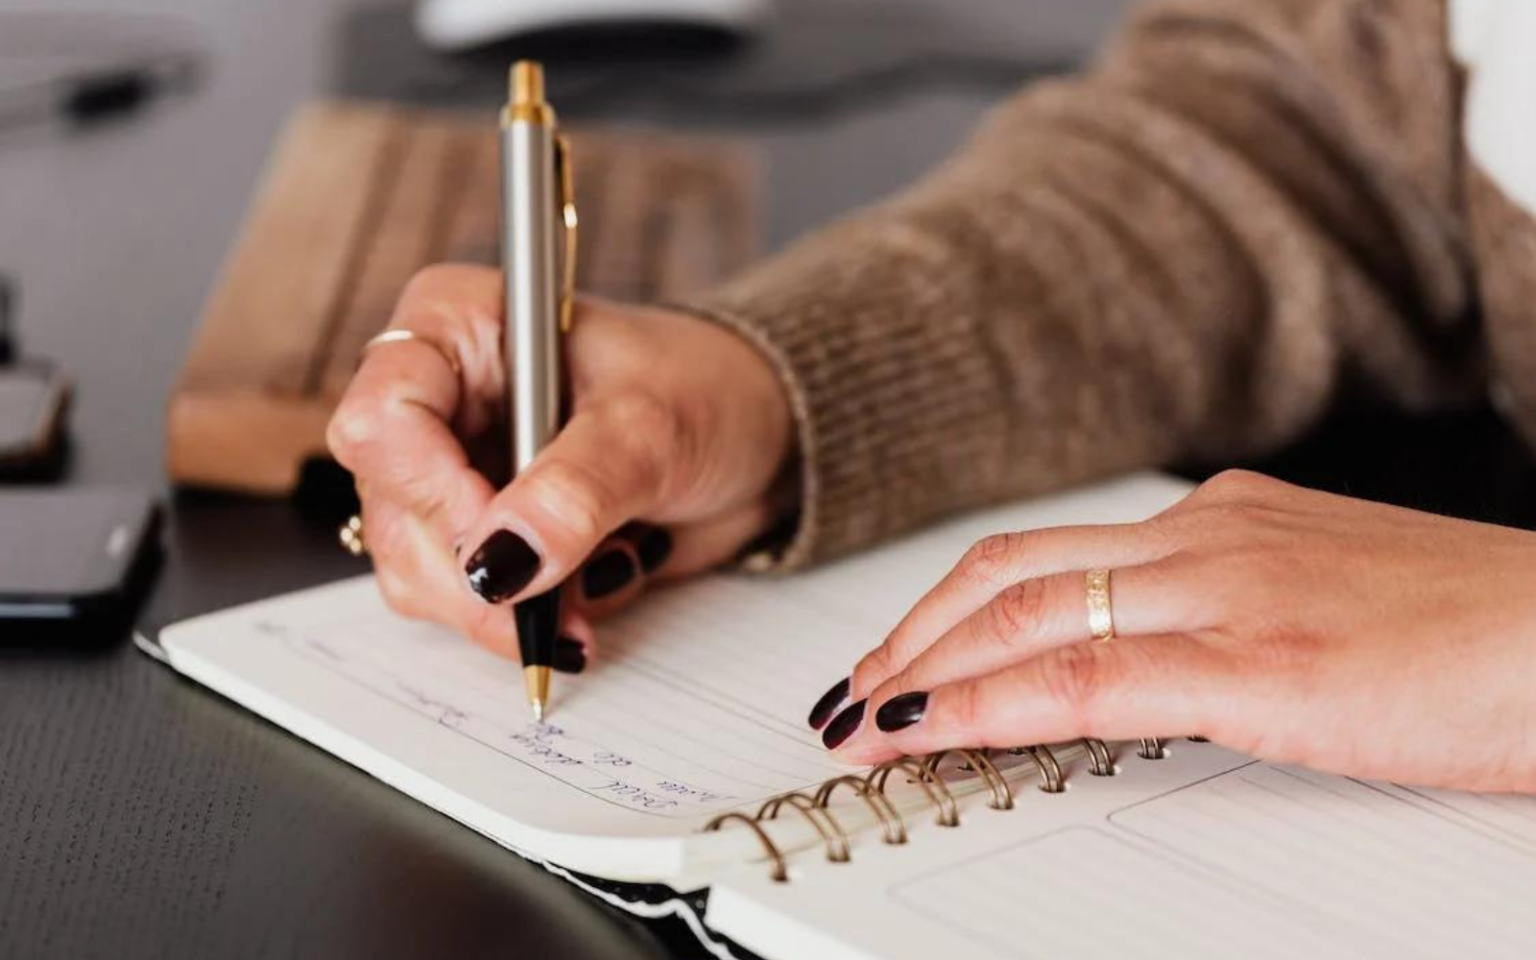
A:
{"x":529,"y":230}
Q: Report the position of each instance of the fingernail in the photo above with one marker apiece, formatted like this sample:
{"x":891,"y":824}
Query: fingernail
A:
{"x":570,"y":655}
{"x":607,"y":574}
{"x":502,"y":567}
{"x":899,"y":713}
{"x":654,"y":548}
{"x":828,"y":703}
{"x":844,"y":725}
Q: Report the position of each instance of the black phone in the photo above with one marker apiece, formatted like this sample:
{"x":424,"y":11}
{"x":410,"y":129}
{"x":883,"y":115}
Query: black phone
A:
{"x":74,"y":556}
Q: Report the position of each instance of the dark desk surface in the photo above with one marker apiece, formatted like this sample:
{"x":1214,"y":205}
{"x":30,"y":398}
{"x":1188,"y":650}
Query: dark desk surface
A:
{"x":141,"y":817}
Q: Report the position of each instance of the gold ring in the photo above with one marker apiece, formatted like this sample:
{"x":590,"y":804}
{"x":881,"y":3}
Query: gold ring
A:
{"x":407,"y":336}
{"x":351,"y":536}
{"x":1101,"y":616}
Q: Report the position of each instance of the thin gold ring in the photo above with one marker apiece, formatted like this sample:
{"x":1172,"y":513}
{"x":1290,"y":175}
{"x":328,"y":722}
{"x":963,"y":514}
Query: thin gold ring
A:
{"x":408,"y":336}
{"x":351,"y":536}
{"x":1101,"y":615}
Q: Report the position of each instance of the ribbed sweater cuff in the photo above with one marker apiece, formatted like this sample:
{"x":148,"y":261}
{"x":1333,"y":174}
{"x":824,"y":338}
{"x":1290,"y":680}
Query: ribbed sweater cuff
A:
{"x":882,"y":395}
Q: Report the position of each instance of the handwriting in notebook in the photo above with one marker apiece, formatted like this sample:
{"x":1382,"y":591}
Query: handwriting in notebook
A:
{"x":626,"y":735}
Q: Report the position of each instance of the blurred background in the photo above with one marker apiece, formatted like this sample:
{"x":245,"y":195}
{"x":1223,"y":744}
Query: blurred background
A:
{"x":114,"y":232}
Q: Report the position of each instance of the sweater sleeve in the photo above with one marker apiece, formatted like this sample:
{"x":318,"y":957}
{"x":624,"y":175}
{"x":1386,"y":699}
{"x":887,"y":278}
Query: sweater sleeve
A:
{"x":1182,"y":253}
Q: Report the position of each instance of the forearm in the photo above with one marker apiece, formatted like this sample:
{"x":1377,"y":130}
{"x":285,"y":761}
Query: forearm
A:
{"x":1178,"y":254}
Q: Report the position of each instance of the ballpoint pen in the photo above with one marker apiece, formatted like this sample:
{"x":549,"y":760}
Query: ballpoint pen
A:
{"x":539,"y":273}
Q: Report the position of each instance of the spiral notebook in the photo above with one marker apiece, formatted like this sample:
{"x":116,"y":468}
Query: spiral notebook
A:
{"x":677,"y":776}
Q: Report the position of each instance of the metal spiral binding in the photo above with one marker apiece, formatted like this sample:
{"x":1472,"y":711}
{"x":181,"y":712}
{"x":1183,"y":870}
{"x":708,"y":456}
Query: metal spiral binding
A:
{"x":776,"y":868}
{"x":1051,"y":778}
{"x":1002,"y":794}
{"x":831,"y":833}
{"x":1101,"y":761}
{"x":893,"y":828}
{"x":949,"y":810}
{"x":924,"y":774}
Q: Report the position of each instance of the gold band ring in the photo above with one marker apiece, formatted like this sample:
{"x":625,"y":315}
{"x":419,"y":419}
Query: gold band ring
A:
{"x":408,"y":336}
{"x":351,"y":536}
{"x":1101,"y":615}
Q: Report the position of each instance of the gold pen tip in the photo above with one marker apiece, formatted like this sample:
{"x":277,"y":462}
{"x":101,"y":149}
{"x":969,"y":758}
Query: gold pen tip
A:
{"x":527,"y":83}
{"x":536,"y":680}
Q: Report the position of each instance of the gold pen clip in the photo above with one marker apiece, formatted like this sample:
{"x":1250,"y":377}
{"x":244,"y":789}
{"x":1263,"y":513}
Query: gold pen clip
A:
{"x":567,"y":200}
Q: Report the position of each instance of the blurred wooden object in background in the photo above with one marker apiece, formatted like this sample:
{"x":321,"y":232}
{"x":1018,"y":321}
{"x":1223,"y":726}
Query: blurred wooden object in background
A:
{"x":357,"y":198}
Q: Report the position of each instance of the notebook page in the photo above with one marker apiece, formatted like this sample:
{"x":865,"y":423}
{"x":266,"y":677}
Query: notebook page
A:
{"x":693,"y":705}
{"x":1206,"y":854}
{"x":636,"y":749}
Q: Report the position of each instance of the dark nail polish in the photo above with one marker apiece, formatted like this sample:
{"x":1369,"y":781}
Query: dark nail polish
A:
{"x":653,"y":548}
{"x":843,"y":726}
{"x":607,"y":574}
{"x":502,"y":567}
{"x":899,"y":713}
{"x":570,"y":655}
{"x":828,"y":704}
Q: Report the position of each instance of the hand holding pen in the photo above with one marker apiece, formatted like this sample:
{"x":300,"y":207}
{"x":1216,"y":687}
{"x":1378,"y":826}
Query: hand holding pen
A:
{"x":666,"y":467}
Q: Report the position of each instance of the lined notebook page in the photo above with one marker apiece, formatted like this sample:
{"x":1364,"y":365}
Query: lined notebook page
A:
{"x":694,"y":704}
{"x":1205,"y":854}
{"x":676,"y":727}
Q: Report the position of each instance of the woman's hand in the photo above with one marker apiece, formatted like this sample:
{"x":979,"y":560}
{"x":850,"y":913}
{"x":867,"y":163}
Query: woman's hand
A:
{"x":676,"y":422}
{"x":1292,"y":625}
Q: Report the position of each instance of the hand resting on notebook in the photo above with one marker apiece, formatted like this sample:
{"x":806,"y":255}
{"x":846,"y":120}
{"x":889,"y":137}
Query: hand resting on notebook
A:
{"x":676,"y":422}
{"x":1293,"y":625}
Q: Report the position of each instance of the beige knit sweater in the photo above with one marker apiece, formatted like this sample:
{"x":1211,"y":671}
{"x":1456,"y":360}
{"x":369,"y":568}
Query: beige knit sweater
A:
{"x":1183,"y":253}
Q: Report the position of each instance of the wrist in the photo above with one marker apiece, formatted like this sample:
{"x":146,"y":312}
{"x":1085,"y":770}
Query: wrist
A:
{"x":762,"y":409}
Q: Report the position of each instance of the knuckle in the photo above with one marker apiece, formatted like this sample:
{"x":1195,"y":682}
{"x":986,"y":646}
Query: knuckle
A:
{"x":965,"y":711}
{"x":432,"y":279}
{"x":1216,"y":524}
{"x":894,"y":686}
{"x":448,"y":299}
{"x":576,"y":494}
{"x":897,"y":683}
{"x":640,"y":415}
{"x":351,"y":431}
{"x":990,"y":560}
{"x":1074,"y":679}
{"x":1016,"y":612}
{"x":1237,"y":484}
{"x":872,"y":669}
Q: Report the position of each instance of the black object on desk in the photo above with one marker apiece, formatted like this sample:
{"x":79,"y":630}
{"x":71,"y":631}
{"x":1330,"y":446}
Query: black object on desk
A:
{"x":79,"y":69}
{"x":75,"y":563}
{"x":34,"y":398}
